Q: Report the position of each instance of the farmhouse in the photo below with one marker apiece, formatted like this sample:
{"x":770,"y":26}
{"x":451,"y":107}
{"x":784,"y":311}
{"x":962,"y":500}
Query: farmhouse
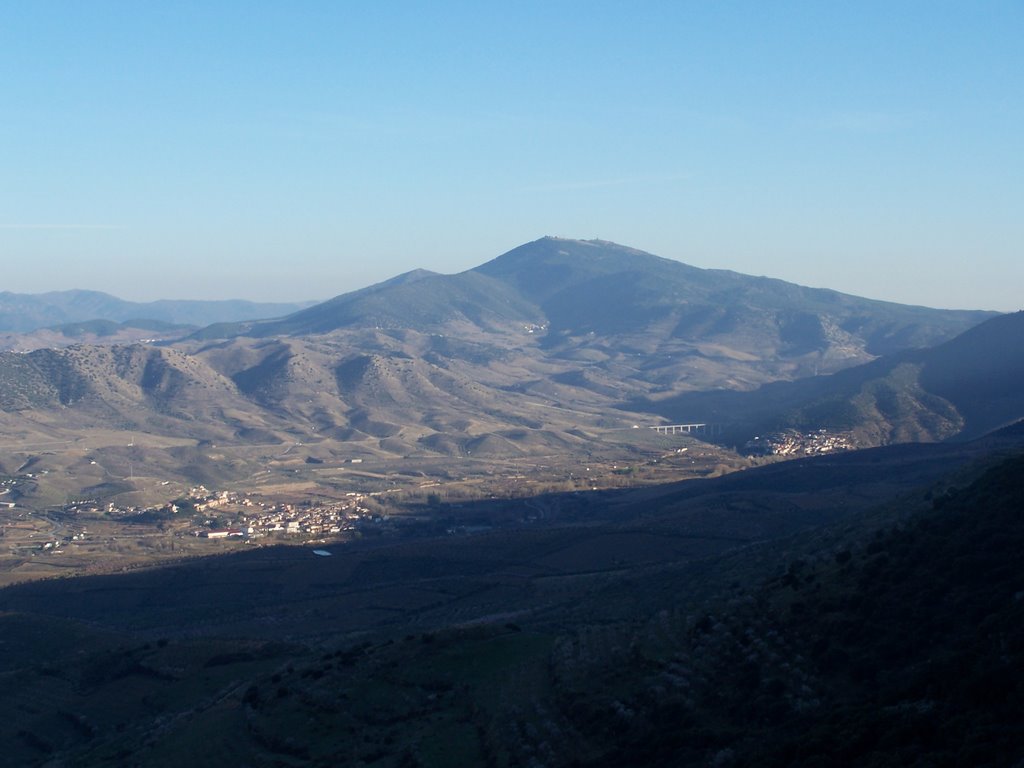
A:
{"x":221,"y":533}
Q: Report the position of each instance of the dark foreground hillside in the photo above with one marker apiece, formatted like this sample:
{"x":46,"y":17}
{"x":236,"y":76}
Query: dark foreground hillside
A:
{"x":906,"y":649}
{"x":881,"y":636}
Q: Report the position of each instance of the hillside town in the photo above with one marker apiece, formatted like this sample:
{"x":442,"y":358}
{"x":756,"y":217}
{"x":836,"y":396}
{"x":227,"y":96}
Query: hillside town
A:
{"x":794,"y":443}
{"x":221,"y":514}
{"x":253,"y":519}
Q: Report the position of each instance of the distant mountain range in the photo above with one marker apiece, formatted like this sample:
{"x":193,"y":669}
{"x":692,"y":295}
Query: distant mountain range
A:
{"x":574,"y":288}
{"x":546,"y":348}
{"x":27,"y":312}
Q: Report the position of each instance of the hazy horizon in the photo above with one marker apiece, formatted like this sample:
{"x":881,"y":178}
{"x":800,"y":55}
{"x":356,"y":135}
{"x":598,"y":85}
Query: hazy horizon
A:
{"x":317,"y":299}
{"x":293,"y":154}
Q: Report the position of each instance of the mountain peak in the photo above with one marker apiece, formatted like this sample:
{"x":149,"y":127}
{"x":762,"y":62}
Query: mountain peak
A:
{"x":584,"y":288}
{"x":544,"y":266}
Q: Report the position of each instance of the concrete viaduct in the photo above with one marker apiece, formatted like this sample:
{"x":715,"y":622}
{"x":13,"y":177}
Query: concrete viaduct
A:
{"x":675,"y":429}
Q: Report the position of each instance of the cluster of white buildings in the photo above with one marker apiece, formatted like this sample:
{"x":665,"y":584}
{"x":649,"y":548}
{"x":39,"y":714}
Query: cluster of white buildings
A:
{"x":5,"y":488}
{"x":794,"y":443}
{"x":226,"y":514}
{"x":257,"y":518}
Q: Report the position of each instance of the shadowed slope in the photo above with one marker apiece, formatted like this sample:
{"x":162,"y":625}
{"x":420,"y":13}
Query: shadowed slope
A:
{"x":965,"y":387}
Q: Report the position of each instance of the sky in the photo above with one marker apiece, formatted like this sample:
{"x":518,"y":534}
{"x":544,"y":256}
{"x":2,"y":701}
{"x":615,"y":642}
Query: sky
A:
{"x":296,"y":151}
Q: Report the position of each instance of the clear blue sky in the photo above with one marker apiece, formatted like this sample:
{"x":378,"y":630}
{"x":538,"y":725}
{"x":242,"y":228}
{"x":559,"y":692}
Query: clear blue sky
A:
{"x":300,"y":150}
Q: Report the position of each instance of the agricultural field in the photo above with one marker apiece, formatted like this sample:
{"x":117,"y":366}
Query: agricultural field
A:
{"x":111,"y":501}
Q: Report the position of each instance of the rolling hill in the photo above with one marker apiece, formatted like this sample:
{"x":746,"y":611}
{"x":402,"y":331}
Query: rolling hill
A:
{"x":105,"y":332}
